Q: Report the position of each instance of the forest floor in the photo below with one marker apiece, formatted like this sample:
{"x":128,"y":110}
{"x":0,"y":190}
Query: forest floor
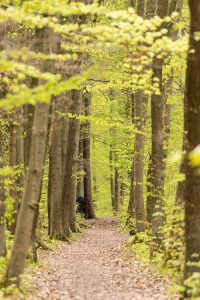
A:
{"x":97,"y":266}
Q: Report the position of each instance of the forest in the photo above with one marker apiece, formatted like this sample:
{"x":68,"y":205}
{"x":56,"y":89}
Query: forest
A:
{"x":100,"y":149}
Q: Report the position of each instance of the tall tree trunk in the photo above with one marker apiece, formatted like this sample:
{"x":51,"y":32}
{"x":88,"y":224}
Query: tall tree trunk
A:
{"x":192,"y":125}
{"x":87,"y":167}
{"x":180,"y":191}
{"x":19,"y":155}
{"x":13,"y":164}
{"x":55,"y":175}
{"x":76,"y":100}
{"x":136,"y":203}
{"x":156,"y":166}
{"x":73,"y":192}
{"x":112,"y":182}
{"x":131,"y":205}
{"x":167,"y":118}
{"x":2,"y":200}
{"x":117,"y":190}
{"x":80,"y":184}
{"x":30,"y":202}
{"x":138,"y":186}
{"x":28,"y":124}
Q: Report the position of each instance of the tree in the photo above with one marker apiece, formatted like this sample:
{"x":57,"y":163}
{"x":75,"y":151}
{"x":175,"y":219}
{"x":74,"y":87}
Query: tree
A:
{"x":2,"y":199}
{"x":138,"y":165}
{"x":86,"y":162}
{"x":70,"y":162}
{"x":156,"y":170}
{"x":55,"y":174}
{"x":192,"y":124}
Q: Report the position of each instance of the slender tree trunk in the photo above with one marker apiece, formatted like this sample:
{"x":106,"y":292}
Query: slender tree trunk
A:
{"x":180,"y":191}
{"x":157,"y":164}
{"x":87,"y":168}
{"x":19,"y":155}
{"x":13,"y":164}
{"x":138,"y":186}
{"x":167,"y":118}
{"x":80,"y":184}
{"x":131,"y":205}
{"x":192,"y":125}
{"x":28,"y":124}
{"x":72,"y":203}
{"x":2,"y":201}
{"x":112,"y":183}
{"x":117,"y":190}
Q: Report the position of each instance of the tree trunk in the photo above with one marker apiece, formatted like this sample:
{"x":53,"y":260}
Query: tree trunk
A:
{"x":141,"y":7}
{"x":30,"y":202}
{"x":80,"y":184}
{"x":156,"y":171}
{"x":131,"y":205}
{"x":2,"y":201}
{"x":87,"y":168}
{"x":192,"y":125}
{"x":138,"y":185}
{"x":151,"y":8}
{"x":72,"y":203}
{"x":28,"y":124}
{"x":69,"y":162}
{"x":112,"y":183}
{"x":180,"y":191}
{"x":55,"y":175}
{"x":13,"y":164}
{"x":136,"y":203}
{"x":20,"y":151}
{"x":117,"y":190}
{"x":167,"y":118}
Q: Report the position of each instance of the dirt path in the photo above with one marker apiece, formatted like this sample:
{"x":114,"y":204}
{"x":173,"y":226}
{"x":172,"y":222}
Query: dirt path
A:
{"x":97,"y":267}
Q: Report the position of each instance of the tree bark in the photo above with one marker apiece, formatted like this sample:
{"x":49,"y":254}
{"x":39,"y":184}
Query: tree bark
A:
{"x":73,"y":192}
{"x":87,"y":167}
{"x":2,"y":201}
{"x":80,"y":184}
{"x":13,"y":164}
{"x":131,"y":205}
{"x":136,"y":203}
{"x":112,"y":183}
{"x":69,"y":162}
{"x":117,"y":190}
{"x":156,"y":166}
{"x":192,"y":125}
{"x":55,"y":175}
{"x":138,"y":185}
{"x":28,"y":124}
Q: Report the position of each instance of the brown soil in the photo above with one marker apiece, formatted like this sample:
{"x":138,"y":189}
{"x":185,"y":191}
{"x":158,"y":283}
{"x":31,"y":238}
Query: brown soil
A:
{"x":97,"y":266}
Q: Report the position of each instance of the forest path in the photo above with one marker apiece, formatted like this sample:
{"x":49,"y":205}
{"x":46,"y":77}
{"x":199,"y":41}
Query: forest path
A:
{"x":97,"y":267}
